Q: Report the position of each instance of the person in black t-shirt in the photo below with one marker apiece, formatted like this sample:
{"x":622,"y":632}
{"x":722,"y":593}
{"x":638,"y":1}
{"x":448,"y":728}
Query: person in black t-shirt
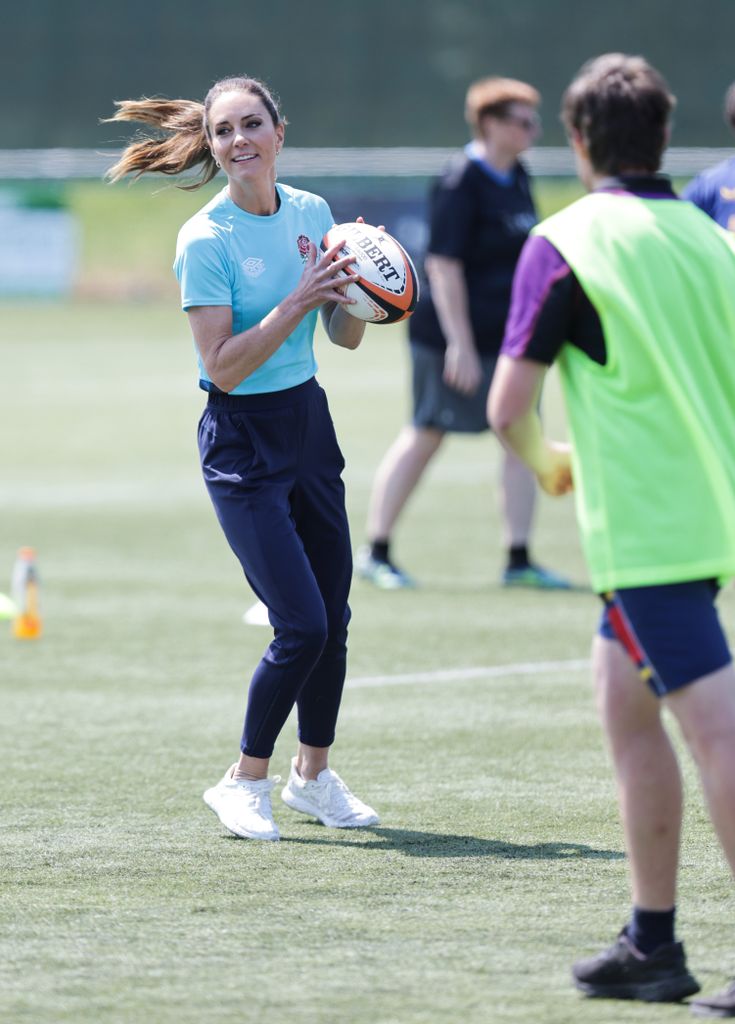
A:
{"x":481,"y":211}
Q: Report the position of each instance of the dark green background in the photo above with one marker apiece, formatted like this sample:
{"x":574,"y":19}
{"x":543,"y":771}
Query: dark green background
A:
{"x":384,"y":72}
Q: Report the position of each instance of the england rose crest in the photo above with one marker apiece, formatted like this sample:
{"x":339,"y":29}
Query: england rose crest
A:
{"x":302,"y":243}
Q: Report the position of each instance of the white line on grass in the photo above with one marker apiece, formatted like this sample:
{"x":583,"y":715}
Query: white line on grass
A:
{"x":443,"y":675}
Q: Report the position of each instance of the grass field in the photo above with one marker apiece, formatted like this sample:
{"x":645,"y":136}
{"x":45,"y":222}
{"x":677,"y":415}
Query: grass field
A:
{"x":468,"y":722}
{"x":143,"y":218}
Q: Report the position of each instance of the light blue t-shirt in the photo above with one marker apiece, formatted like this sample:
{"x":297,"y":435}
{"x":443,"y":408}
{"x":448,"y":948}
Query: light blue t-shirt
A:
{"x":228,"y":257}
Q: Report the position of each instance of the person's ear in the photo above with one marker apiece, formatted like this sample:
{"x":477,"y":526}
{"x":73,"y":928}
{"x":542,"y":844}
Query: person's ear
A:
{"x":578,"y":144}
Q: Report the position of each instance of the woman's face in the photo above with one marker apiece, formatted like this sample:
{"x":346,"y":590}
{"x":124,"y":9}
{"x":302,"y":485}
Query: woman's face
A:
{"x":243,"y":139}
{"x":515,"y":131}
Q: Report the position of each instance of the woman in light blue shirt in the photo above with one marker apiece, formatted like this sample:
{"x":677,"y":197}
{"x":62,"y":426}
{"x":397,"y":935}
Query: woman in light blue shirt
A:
{"x":252,"y":279}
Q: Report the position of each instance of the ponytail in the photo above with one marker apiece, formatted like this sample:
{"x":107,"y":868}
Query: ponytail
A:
{"x":184,"y":146}
{"x":187,"y":142}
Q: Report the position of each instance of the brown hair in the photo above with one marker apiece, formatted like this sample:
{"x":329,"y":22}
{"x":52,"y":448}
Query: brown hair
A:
{"x":620,"y":106}
{"x":729,"y":108}
{"x":185,"y":124}
{"x":493,"y":96}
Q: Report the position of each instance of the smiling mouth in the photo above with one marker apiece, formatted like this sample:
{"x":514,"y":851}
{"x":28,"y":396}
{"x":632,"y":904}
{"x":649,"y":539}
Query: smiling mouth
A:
{"x":244,"y":159}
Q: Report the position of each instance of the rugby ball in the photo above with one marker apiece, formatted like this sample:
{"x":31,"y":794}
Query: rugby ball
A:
{"x":388,"y":288}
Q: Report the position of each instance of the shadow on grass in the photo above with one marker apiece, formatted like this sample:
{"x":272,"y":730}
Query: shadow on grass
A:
{"x":437,"y":844}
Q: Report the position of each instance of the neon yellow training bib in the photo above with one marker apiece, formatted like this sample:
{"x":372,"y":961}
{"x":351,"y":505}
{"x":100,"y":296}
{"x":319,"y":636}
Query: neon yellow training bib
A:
{"x":654,"y":429}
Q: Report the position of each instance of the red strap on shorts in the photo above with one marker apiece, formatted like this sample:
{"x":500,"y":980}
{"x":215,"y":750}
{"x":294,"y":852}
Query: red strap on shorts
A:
{"x":624,"y":633}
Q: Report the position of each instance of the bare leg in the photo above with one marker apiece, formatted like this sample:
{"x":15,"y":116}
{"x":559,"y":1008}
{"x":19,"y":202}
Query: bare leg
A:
{"x":649,"y":782}
{"x":397,"y":475}
{"x":517,"y":500}
{"x":706,"y":712}
{"x":311,"y":760}
{"x":252,"y":768}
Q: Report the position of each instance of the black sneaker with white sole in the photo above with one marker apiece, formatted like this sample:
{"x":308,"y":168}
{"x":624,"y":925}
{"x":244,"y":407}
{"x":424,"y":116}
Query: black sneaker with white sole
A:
{"x":623,"y":972}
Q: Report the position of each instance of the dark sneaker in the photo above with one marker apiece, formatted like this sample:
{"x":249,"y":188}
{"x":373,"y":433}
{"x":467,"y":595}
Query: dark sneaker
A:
{"x":622,"y":972}
{"x":535,"y":577}
{"x":721,"y":1005}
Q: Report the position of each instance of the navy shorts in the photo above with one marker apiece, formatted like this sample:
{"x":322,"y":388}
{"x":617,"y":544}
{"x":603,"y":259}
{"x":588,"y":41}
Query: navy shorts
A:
{"x":672,"y":632}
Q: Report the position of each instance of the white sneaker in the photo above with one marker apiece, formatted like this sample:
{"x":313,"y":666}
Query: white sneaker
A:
{"x":244,"y":807}
{"x":328,"y":799}
{"x":256,"y":615}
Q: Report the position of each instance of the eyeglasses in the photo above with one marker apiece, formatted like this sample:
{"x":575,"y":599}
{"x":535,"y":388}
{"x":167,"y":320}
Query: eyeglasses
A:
{"x":529,"y":124}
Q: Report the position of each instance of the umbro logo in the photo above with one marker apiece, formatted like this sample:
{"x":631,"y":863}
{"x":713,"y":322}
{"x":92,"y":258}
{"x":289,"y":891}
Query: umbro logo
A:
{"x":253,"y":266}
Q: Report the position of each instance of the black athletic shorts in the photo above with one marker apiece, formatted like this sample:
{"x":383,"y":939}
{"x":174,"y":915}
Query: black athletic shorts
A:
{"x":437,"y":405}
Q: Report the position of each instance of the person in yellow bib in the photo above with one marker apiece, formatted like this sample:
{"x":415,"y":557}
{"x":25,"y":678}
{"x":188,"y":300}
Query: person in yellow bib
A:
{"x":631,"y":291}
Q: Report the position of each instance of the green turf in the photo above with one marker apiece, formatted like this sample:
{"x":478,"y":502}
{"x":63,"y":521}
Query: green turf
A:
{"x":128,"y":231}
{"x":499,"y":857}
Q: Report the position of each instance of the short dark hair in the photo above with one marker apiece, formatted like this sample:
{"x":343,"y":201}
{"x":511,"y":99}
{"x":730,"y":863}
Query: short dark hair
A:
{"x":620,"y":106}
{"x":729,"y":108}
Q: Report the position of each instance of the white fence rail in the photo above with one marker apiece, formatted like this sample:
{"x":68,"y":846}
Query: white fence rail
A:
{"x":547,"y":161}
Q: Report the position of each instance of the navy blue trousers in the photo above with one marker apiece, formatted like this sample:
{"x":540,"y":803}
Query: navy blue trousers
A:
{"x":272,"y":466}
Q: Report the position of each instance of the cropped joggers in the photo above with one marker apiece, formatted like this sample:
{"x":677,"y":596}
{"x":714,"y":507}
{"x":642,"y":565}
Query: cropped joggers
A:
{"x":272,"y":466}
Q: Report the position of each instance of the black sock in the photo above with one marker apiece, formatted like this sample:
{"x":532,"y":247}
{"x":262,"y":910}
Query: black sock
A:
{"x":649,"y":929}
{"x":518,"y":557}
{"x":379,"y":550}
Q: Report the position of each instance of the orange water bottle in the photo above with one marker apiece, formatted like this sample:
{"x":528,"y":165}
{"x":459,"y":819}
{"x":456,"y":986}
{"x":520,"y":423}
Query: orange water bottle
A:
{"x":25,"y":589}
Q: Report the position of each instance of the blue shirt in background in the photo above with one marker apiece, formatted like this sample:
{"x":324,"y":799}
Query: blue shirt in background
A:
{"x":714,"y":192}
{"x":228,"y":257}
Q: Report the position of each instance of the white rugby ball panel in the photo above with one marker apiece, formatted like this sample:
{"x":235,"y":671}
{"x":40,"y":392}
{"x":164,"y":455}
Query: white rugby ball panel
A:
{"x":388,"y":287}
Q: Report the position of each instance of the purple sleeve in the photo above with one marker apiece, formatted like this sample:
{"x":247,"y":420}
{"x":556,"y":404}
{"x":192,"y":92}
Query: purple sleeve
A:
{"x":540,"y":266}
